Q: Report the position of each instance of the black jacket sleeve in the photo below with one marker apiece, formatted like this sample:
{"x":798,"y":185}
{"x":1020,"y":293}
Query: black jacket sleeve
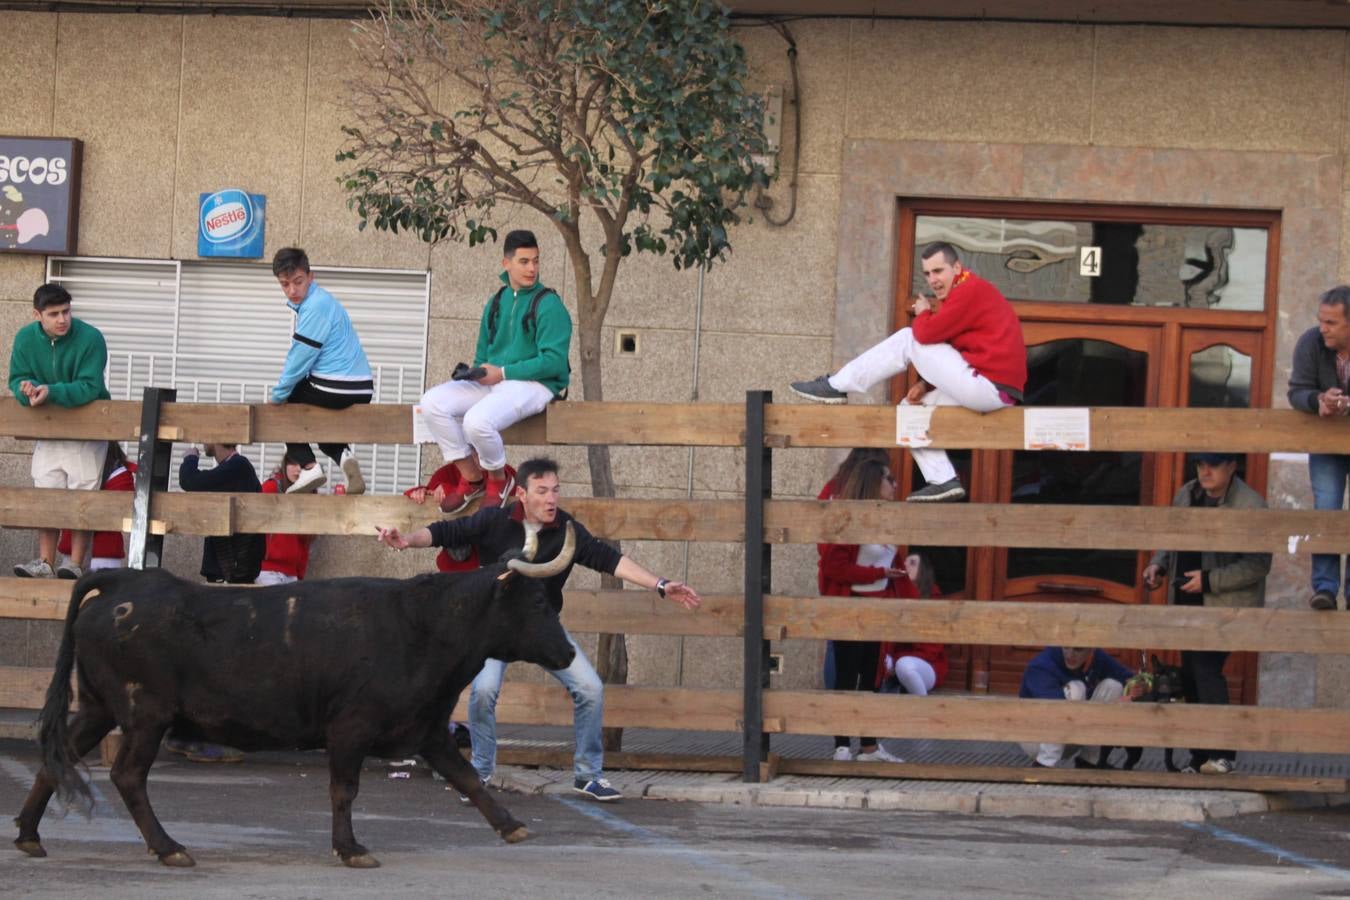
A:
{"x":594,"y":553}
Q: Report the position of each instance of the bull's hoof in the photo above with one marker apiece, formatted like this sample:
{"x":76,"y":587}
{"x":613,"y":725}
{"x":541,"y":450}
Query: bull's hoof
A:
{"x":178,"y":859}
{"x":516,"y":835}
{"x":361,"y":861}
{"x":32,"y":848}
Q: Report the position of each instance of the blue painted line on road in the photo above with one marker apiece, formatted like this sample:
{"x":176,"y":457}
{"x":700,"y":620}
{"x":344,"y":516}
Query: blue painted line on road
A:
{"x":1271,"y":850}
{"x":744,"y":881}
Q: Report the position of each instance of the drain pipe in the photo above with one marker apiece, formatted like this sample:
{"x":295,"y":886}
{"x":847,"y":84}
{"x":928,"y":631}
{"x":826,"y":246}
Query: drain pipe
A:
{"x":689,"y":478}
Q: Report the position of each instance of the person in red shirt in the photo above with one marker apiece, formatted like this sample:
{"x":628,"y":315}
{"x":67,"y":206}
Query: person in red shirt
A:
{"x":852,"y":570}
{"x":969,"y":353}
{"x":447,"y":482}
{"x":287,"y":554}
{"x":912,"y":668}
{"x":108,"y":550}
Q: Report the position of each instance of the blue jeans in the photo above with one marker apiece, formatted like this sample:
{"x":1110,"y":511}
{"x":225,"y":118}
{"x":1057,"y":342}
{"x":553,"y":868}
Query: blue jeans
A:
{"x":588,"y":701}
{"x":1328,"y":473}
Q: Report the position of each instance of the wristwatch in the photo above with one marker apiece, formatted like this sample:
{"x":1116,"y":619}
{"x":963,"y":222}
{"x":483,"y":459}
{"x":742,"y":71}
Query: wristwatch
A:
{"x":661,"y":586}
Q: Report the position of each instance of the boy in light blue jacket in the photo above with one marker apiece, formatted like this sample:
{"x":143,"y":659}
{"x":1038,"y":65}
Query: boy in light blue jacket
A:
{"x":325,"y":366}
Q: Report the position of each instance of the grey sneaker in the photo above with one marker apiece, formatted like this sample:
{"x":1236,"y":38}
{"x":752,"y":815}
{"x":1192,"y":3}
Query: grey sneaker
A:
{"x":70,"y":571}
{"x":946,"y":492}
{"x":1323,"y":600}
{"x":37,"y":568}
{"x":819,"y":390}
{"x":351,"y":467}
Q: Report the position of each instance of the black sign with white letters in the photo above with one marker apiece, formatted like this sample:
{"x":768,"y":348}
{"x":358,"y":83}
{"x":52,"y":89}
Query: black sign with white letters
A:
{"x":39,"y":194}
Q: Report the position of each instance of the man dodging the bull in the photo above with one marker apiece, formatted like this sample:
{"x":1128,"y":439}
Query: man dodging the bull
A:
{"x":495,"y":531}
{"x":968,"y":353}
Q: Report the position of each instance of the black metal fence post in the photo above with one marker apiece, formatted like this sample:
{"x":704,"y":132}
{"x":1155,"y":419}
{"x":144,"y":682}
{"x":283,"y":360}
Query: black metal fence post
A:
{"x":152,"y":476}
{"x":758,"y":488}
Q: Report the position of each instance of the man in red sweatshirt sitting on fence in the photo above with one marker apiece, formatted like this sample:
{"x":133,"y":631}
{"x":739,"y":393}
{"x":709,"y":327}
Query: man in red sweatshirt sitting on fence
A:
{"x":968,"y":353}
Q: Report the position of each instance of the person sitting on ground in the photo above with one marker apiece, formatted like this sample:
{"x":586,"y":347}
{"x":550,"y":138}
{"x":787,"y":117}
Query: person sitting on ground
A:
{"x":59,"y":359}
{"x":109,"y":551}
{"x":852,"y":570}
{"x":287,"y":555}
{"x":912,"y":668}
{"x":326,"y":366}
{"x":1074,"y":673}
{"x":446,"y":482}
{"x":519,"y":366}
{"x":1211,"y":578}
{"x":968,"y":353}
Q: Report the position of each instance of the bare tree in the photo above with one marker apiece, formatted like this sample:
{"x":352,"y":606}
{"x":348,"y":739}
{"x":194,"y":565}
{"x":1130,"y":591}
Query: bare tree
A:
{"x":631,"y":112}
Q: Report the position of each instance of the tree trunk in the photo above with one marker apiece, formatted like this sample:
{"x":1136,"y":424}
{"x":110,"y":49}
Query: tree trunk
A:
{"x":611,"y":656}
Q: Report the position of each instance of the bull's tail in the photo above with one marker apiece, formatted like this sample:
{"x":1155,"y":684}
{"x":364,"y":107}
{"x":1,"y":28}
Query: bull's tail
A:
{"x":61,"y":761}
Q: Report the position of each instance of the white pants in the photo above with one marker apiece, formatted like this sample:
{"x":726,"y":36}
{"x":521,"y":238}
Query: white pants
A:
{"x":75,"y":465}
{"x":915,"y":674}
{"x":1108,"y":690}
{"x":461,"y":414}
{"x":954,"y":383}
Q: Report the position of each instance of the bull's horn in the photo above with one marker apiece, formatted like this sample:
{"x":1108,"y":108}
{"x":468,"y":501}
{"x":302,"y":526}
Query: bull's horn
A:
{"x":531,"y":545}
{"x":551,"y":568}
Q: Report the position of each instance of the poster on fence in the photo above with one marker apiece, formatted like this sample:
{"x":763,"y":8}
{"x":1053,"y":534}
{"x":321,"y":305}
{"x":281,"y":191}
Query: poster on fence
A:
{"x":1056,"y":428}
{"x":911,"y":426}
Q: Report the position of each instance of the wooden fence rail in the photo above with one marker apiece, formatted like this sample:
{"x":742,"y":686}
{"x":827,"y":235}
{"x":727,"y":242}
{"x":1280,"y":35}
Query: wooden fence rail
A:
{"x":695,"y":424}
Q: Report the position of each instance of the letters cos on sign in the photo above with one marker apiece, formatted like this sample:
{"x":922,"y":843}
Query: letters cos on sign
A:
{"x":39,"y":194}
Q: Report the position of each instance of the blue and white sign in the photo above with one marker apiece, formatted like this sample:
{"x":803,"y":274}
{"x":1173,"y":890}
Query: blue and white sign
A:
{"x":231,"y":224}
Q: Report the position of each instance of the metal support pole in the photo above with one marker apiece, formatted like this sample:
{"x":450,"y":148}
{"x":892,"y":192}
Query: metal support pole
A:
{"x":152,"y":476}
{"x":758,"y":488}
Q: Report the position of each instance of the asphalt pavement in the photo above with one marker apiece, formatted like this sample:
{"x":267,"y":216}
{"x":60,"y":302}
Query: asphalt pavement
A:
{"x":260,"y":829}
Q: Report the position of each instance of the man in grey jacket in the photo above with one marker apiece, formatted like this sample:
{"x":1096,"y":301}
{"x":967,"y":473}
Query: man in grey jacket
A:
{"x":1318,"y":384}
{"x":1211,"y":578}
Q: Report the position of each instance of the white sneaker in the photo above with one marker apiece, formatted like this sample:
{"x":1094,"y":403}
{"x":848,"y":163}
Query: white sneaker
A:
{"x":37,"y":568}
{"x":351,"y":467}
{"x":842,"y":754}
{"x":881,"y":754}
{"x":309,"y":481}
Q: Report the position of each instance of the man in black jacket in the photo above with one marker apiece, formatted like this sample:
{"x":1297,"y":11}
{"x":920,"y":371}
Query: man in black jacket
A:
{"x":235,"y":558}
{"x":501,"y":530}
{"x":1318,"y":384}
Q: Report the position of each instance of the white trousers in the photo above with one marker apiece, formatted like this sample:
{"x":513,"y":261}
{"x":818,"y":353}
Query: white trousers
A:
{"x":954,"y":383}
{"x":916,"y":674}
{"x":464,"y":414}
{"x":1107,"y":691}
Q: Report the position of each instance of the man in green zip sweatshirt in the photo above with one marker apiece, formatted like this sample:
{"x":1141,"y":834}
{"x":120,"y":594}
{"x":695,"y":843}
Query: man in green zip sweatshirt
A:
{"x":58,"y":359}
{"x":519,"y":366}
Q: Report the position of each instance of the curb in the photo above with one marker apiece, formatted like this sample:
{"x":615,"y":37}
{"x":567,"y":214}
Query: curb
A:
{"x":967,"y":798}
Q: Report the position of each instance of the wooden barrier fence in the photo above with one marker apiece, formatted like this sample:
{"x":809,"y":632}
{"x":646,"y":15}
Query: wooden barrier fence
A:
{"x":753,"y":709}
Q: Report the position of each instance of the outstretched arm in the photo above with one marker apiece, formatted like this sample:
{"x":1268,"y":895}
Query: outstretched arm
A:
{"x":390,"y":537}
{"x":676,"y":591}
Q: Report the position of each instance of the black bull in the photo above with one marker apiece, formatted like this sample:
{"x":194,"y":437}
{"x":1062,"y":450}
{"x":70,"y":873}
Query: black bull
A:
{"x":360,"y":666}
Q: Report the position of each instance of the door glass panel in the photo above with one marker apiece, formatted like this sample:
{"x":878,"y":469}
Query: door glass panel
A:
{"x":1137,"y":264}
{"x":1077,"y":372}
{"x":1220,"y":377}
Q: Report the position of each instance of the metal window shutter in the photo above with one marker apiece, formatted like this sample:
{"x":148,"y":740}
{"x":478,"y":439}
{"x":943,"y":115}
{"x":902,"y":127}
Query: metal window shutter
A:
{"x":219,"y":332}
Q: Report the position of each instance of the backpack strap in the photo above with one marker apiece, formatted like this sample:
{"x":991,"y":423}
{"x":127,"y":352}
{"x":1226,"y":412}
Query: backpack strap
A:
{"x":527,"y":323}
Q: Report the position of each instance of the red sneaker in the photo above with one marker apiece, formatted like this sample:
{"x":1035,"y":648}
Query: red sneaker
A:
{"x":498,"y":489}
{"x":459,"y":499}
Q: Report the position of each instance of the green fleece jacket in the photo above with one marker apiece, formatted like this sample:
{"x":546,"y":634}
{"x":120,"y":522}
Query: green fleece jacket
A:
{"x":71,"y":366}
{"x":537,"y":353}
